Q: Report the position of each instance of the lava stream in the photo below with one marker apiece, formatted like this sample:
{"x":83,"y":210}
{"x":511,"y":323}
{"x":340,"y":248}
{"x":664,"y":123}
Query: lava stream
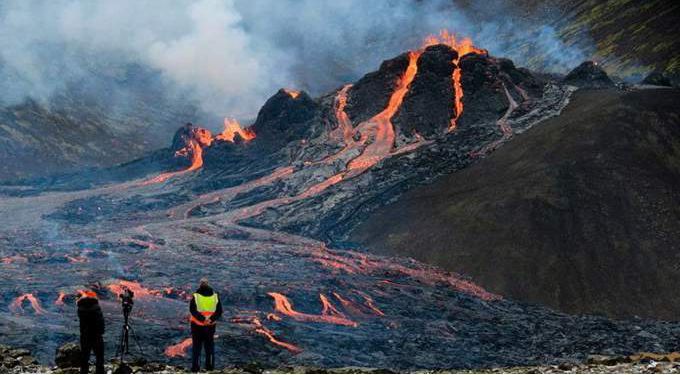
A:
{"x":357,"y":308}
{"x":194,"y":150}
{"x":329,"y":314}
{"x":358,"y":263}
{"x":17,"y":305}
{"x":259,"y":328}
{"x":178,"y":350}
{"x":60,"y":299}
{"x":462,"y":47}
{"x":381,"y":124}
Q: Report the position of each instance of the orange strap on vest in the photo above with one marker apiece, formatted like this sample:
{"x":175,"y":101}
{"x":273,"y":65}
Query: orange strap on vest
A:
{"x":207,"y":315}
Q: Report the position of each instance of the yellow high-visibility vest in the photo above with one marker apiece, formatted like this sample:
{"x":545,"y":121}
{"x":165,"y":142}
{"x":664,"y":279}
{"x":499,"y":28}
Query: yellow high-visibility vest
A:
{"x":206,"y":306}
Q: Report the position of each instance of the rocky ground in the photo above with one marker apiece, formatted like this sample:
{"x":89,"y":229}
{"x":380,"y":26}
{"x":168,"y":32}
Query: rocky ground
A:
{"x":16,"y":361}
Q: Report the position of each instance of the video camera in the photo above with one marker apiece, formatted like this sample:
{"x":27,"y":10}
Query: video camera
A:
{"x":127,"y":300}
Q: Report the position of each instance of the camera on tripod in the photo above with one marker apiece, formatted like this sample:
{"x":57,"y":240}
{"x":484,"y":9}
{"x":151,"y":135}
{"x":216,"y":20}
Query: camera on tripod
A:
{"x":127,"y":300}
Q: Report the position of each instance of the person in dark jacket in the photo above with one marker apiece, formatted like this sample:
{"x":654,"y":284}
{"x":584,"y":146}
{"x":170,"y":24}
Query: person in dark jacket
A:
{"x":91,"y":331}
{"x":206,"y":309}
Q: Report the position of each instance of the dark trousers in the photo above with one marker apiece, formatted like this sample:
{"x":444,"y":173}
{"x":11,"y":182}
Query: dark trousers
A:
{"x":88,"y":344}
{"x":202,"y":337}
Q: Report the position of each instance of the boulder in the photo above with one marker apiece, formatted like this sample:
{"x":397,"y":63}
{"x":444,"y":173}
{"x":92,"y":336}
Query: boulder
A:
{"x":68,"y":355}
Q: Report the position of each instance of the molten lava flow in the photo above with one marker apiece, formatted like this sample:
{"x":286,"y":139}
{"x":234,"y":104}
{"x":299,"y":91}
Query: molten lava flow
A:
{"x":462,"y":47}
{"x":368,"y":308}
{"x":17,"y":305}
{"x":358,"y":263}
{"x":259,"y":328}
{"x":292,"y":93}
{"x":136,"y":288}
{"x":194,"y":150}
{"x":382,"y":122}
{"x":344,"y":124}
{"x":178,"y":350}
{"x":231,"y":128}
{"x":60,"y":299}
{"x":368,"y":301}
{"x":14,"y":259}
{"x":329,"y":314}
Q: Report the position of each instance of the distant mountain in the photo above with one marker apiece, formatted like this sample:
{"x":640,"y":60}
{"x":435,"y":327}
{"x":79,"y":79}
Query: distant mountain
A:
{"x":109,"y":118}
{"x":629,"y":37}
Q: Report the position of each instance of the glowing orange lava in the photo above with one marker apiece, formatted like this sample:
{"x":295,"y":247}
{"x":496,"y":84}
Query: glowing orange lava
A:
{"x":231,"y":128}
{"x":193,"y":150}
{"x":292,"y":93}
{"x":17,"y":305}
{"x":259,"y":328}
{"x":135,"y":287}
{"x":462,"y":47}
{"x":344,"y":124}
{"x":329,"y":314}
{"x":60,"y":299}
{"x":382,"y":122}
{"x":178,"y":350}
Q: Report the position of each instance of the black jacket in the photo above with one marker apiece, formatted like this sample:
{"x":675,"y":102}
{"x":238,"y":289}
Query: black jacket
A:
{"x":207,"y":292}
{"x":91,"y":317}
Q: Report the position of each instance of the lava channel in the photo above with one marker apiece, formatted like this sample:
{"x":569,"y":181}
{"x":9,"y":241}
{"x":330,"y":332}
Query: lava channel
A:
{"x":17,"y":305}
{"x":328,"y":315}
{"x":462,"y":47}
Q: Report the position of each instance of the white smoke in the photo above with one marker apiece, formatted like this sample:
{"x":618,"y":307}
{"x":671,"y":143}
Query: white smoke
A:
{"x":232,"y":54}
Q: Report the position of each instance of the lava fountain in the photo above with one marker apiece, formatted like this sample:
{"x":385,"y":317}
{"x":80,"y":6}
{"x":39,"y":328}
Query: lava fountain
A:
{"x":231,"y":129}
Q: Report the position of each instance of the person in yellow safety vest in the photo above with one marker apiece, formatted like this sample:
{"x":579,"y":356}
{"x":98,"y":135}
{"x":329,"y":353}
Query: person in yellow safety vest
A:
{"x":206,"y":309}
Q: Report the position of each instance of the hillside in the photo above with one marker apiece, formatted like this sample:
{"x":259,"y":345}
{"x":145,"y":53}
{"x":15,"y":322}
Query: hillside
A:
{"x":630,"y":38}
{"x":581,"y":213}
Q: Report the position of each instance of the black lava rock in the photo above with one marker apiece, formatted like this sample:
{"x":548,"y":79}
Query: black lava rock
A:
{"x":431,"y":93}
{"x":284,"y":118}
{"x":68,"y":356}
{"x":588,"y":75}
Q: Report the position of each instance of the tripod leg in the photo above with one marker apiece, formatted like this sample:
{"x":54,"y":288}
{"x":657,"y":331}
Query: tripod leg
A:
{"x":127,"y":339}
{"x":136,"y":340}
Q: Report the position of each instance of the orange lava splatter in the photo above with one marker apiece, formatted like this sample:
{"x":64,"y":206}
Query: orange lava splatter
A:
{"x":329,"y":314}
{"x":231,"y":128}
{"x":17,"y":305}
{"x":178,"y":350}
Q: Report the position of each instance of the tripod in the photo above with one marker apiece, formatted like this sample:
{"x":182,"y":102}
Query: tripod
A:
{"x":124,"y":344}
